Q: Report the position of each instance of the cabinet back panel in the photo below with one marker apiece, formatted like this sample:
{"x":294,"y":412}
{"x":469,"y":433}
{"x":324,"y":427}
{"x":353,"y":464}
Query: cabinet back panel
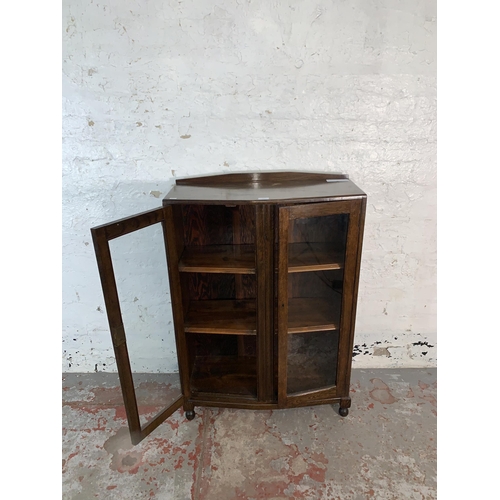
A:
{"x":208,"y":286}
{"x":218,"y":224}
{"x":222,"y":364}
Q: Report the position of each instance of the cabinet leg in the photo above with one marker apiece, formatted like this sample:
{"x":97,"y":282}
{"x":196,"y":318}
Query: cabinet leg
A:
{"x":345,"y":404}
{"x":189,"y":409}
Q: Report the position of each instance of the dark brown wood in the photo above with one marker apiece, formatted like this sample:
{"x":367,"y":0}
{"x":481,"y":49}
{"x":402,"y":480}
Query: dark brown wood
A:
{"x":345,"y":402}
{"x":264,"y":272}
{"x":307,"y":398}
{"x":236,"y":401}
{"x":263,"y":188}
{"x":282,"y":312}
{"x":225,"y":401}
{"x":158,"y":420}
{"x":172,"y":246}
{"x":272,"y":178}
{"x":208,"y":286}
{"x":237,"y":259}
{"x":101,"y":236}
{"x":314,"y":312}
{"x":354,"y":301}
{"x":312,"y":399}
{"x":264,"y":257}
{"x":222,"y":317}
{"x":346,"y":316}
{"x":189,"y":410}
{"x":320,"y":209}
{"x":207,"y":225}
{"x":225,"y":375}
{"x":128,"y":225}
{"x":344,"y":405}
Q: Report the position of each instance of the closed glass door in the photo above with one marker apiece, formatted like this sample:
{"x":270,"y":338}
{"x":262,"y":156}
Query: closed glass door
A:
{"x":316,"y":263}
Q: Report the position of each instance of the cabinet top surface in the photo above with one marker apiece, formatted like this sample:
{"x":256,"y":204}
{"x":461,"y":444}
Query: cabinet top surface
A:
{"x":263,"y":187}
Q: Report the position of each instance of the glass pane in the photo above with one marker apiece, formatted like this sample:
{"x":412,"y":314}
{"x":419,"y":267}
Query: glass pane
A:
{"x":316,"y":252}
{"x":225,"y":364}
{"x":312,"y":361}
{"x":141,"y":275}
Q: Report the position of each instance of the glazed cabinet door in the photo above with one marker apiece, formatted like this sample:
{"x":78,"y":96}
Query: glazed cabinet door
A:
{"x":318,"y":246}
{"x":133,"y":270}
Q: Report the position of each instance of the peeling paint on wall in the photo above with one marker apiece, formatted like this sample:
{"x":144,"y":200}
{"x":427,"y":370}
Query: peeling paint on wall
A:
{"x":173,"y":89}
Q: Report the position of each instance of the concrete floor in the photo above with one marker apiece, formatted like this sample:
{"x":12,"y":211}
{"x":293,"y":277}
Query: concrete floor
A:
{"x":384,"y":449}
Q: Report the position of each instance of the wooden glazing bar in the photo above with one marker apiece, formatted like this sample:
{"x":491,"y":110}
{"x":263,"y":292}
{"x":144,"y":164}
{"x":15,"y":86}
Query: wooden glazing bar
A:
{"x":282,"y":304}
{"x":112,"y":303}
{"x":127,"y":225}
{"x":264,"y":259}
{"x":158,"y":420}
{"x":320,"y":209}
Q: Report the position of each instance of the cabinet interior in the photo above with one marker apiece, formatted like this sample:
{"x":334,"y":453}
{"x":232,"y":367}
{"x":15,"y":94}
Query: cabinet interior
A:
{"x":217,"y":264}
{"x":216,"y":248}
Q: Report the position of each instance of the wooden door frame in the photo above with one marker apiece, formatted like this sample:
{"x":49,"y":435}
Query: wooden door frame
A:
{"x":355,"y":208}
{"x":101,"y":235}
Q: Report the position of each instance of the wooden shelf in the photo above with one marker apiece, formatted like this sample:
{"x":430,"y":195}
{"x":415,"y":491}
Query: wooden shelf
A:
{"x":313,"y":314}
{"x":304,"y":257}
{"x":236,"y":259}
{"x":230,"y":317}
{"x":225,"y":375}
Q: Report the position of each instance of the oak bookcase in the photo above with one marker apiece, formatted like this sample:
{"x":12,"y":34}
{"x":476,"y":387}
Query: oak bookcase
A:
{"x":263,"y":270}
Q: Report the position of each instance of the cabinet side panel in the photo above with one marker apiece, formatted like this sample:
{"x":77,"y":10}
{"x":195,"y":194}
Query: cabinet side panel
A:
{"x":348,"y":301}
{"x":171,"y":236}
{"x":361,"y":228}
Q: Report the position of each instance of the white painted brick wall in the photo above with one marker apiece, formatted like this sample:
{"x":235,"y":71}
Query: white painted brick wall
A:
{"x":159,"y":89}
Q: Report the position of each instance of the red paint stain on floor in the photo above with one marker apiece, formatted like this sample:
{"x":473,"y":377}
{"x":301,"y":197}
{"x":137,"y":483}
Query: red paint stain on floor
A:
{"x":430,"y":399}
{"x":316,"y":473}
{"x":267,"y":490}
{"x":381,"y":392}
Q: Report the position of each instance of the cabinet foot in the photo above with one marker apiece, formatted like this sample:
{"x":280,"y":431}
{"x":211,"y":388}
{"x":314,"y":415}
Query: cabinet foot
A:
{"x":189,"y":410}
{"x":345,"y":404}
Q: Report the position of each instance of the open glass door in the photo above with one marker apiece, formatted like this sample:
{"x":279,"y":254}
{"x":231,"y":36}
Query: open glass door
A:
{"x":317,"y":255}
{"x":133,"y":270}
